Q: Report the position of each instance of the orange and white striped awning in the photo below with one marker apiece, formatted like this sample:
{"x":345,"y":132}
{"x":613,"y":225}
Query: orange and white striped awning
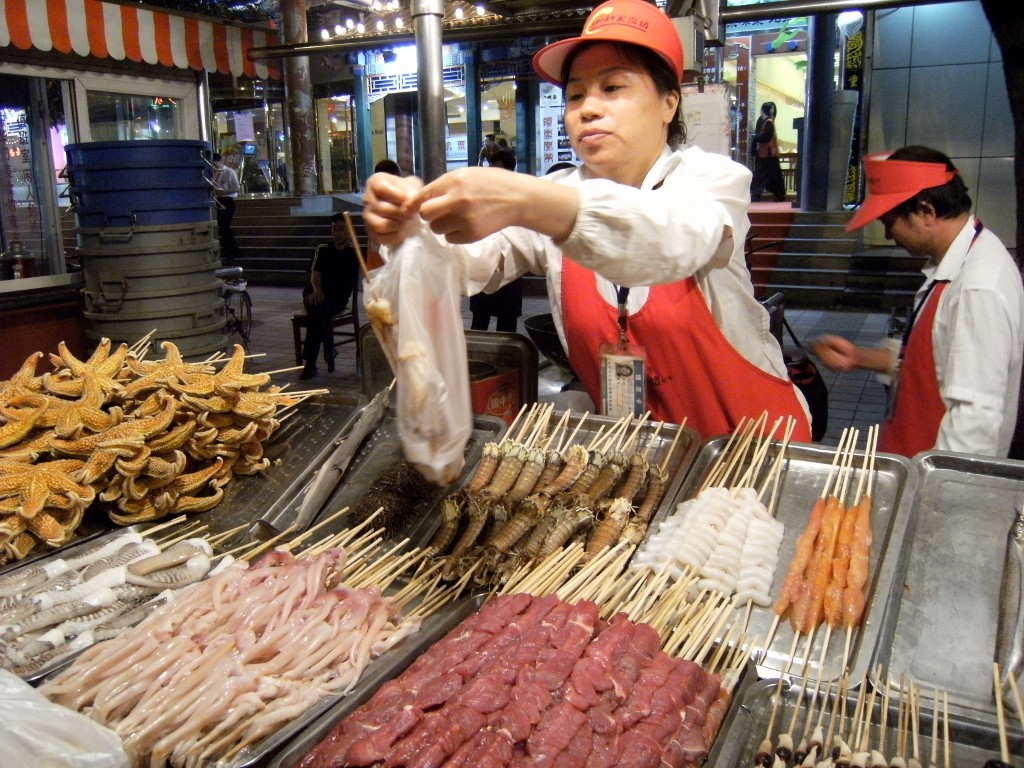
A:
{"x":108,"y":30}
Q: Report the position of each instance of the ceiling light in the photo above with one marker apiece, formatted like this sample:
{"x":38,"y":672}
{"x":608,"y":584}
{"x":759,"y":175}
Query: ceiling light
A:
{"x":339,"y":30}
{"x":349,"y":23}
{"x":480,"y":10}
{"x":380,"y":25}
{"x":360,"y":28}
{"x":324,"y":34}
{"x":458,"y":12}
{"x":399,"y":22}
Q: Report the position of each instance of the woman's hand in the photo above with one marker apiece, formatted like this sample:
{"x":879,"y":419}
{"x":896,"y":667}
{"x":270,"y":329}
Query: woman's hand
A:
{"x":469,"y":204}
{"x":389,"y":203}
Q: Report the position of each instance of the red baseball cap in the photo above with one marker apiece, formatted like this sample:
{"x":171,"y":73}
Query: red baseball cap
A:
{"x":891,"y":182}
{"x":620,"y":21}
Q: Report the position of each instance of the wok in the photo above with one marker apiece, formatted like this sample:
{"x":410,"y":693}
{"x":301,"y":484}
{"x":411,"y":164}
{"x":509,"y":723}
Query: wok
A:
{"x":542,"y":331}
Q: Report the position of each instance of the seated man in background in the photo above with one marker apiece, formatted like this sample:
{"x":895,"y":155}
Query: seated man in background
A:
{"x":333,"y":273}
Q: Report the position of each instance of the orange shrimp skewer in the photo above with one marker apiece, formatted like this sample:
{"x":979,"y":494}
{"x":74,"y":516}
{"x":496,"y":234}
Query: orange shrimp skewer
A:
{"x":807,"y":613}
{"x":833,"y":603}
{"x":805,"y":544}
{"x":854,"y":596}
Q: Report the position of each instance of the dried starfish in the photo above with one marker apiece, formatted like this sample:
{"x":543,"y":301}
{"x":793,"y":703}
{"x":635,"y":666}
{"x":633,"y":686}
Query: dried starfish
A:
{"x":174,"y":439}
{"x":19,"y":546}
{"x":15,"y":431}
{"x":129,"y":433}
{"x":87,"y":412}
{"x":192,"y":481}
{"x":258,"y":405}
{"x":185,"y":504}
{"x":231,"y":379}
{"x":132,"y":512}
{"x":134,"y":465}
{"x":24,"y":381}
{"x":46,"y":528}
{"x":212,"y":404}
{"x":234,"y":436}
{"x":156,"y":374}
{"x":102,"y":367}
{"x":29,"y":449}
{"x":11,"y":525}
{"x":35,"y":484}
{"x":160,"y":467}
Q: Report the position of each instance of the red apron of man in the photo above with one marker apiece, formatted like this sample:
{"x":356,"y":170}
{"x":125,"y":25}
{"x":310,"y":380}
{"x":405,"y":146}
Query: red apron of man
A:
{"x":693,"y":371}
{"x":918,"y":408}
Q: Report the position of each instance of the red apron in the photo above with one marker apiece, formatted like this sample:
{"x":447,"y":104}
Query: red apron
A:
{"x":693,"y":372}
{"x":918,"y":408}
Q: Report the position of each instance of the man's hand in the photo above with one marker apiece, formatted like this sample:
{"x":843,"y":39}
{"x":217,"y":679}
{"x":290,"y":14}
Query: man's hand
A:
{"x":835,"y":352}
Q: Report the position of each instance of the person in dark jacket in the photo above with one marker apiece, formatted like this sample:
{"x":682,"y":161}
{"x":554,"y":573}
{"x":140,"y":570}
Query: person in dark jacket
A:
{"x":333,"y":275}
{"x":765,"y":145}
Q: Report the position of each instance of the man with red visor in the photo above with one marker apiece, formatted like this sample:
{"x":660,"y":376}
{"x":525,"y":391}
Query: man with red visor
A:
{"x":642,"y":245}
{"x":955,"y":376}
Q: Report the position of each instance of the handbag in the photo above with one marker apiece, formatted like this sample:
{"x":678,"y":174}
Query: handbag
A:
{"x":807,"y":378}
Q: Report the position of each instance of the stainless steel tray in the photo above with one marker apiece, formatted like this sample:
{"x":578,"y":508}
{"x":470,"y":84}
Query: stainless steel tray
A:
{"x":315,"y":728}
{"x":802,"y":480}
{"x":971,"y":742}
{"x":940,"y":624}
{"x":380,"y":450}
{"x":295,"y":450}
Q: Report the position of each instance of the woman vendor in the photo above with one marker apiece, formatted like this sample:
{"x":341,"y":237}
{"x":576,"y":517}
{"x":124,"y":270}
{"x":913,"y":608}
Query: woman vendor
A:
{"x":642,"y":245}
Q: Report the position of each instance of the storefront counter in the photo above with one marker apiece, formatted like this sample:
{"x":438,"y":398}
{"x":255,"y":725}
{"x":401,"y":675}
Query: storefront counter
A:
{"x":36,"y":314}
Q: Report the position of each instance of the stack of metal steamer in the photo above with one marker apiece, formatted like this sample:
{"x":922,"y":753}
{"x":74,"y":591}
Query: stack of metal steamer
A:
{"x":147,"y":242}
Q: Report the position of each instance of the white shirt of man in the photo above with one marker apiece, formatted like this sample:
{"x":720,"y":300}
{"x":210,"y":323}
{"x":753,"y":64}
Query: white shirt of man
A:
{"x":977,"y":342}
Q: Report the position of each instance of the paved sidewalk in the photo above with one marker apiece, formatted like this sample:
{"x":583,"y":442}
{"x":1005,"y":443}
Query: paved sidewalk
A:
{"x":855,"y":399}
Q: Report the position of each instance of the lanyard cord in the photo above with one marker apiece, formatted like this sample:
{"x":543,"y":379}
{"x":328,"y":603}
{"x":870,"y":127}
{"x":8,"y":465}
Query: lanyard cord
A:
{"x":622,"y":293}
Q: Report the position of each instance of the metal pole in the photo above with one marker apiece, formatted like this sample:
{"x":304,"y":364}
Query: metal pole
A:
{"x":427,"y":17}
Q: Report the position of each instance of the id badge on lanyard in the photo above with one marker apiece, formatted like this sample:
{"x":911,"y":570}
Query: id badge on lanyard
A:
{"x":623,"y":372}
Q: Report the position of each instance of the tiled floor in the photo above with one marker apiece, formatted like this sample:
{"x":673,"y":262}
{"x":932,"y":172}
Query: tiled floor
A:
{"x":855,"y":399}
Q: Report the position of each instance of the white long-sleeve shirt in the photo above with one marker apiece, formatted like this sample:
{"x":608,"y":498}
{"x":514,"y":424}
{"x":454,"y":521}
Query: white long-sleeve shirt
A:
{"x":667,"y":230}
{"x":977,"y":342}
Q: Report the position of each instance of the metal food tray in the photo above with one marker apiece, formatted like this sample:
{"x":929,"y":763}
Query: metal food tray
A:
{"x":381,"y":449}
{"x":317,"y":731}
{"x":940,"y":624}
{"x":295,"y":449}
{"x":971,"y":743}
{"x":316,"y":728}
{"x":70,"y":551}
{"x":800,"y":484}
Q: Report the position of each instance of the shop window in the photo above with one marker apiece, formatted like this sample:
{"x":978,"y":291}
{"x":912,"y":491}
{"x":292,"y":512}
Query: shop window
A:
{"x":129,"y":117}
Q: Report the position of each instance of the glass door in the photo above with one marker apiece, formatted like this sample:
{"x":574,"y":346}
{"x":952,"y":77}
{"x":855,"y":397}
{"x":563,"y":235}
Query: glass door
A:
{"x":33,"y":134}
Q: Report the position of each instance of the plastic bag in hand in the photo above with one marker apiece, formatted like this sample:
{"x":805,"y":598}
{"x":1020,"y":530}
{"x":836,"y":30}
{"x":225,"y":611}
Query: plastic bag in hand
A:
{"x":414,"y":304}
{"x":35,"y":731}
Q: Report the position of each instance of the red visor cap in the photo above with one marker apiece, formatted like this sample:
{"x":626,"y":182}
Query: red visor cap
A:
{"x":891,"y":182}
{"x":617,"y":21}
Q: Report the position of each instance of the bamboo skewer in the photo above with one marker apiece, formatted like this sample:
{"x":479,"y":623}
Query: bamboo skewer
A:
{"x":934,"y":757}
{"x":1004,"y":749}
{"x":148,"y":532}
{"x":1016,"y":700}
